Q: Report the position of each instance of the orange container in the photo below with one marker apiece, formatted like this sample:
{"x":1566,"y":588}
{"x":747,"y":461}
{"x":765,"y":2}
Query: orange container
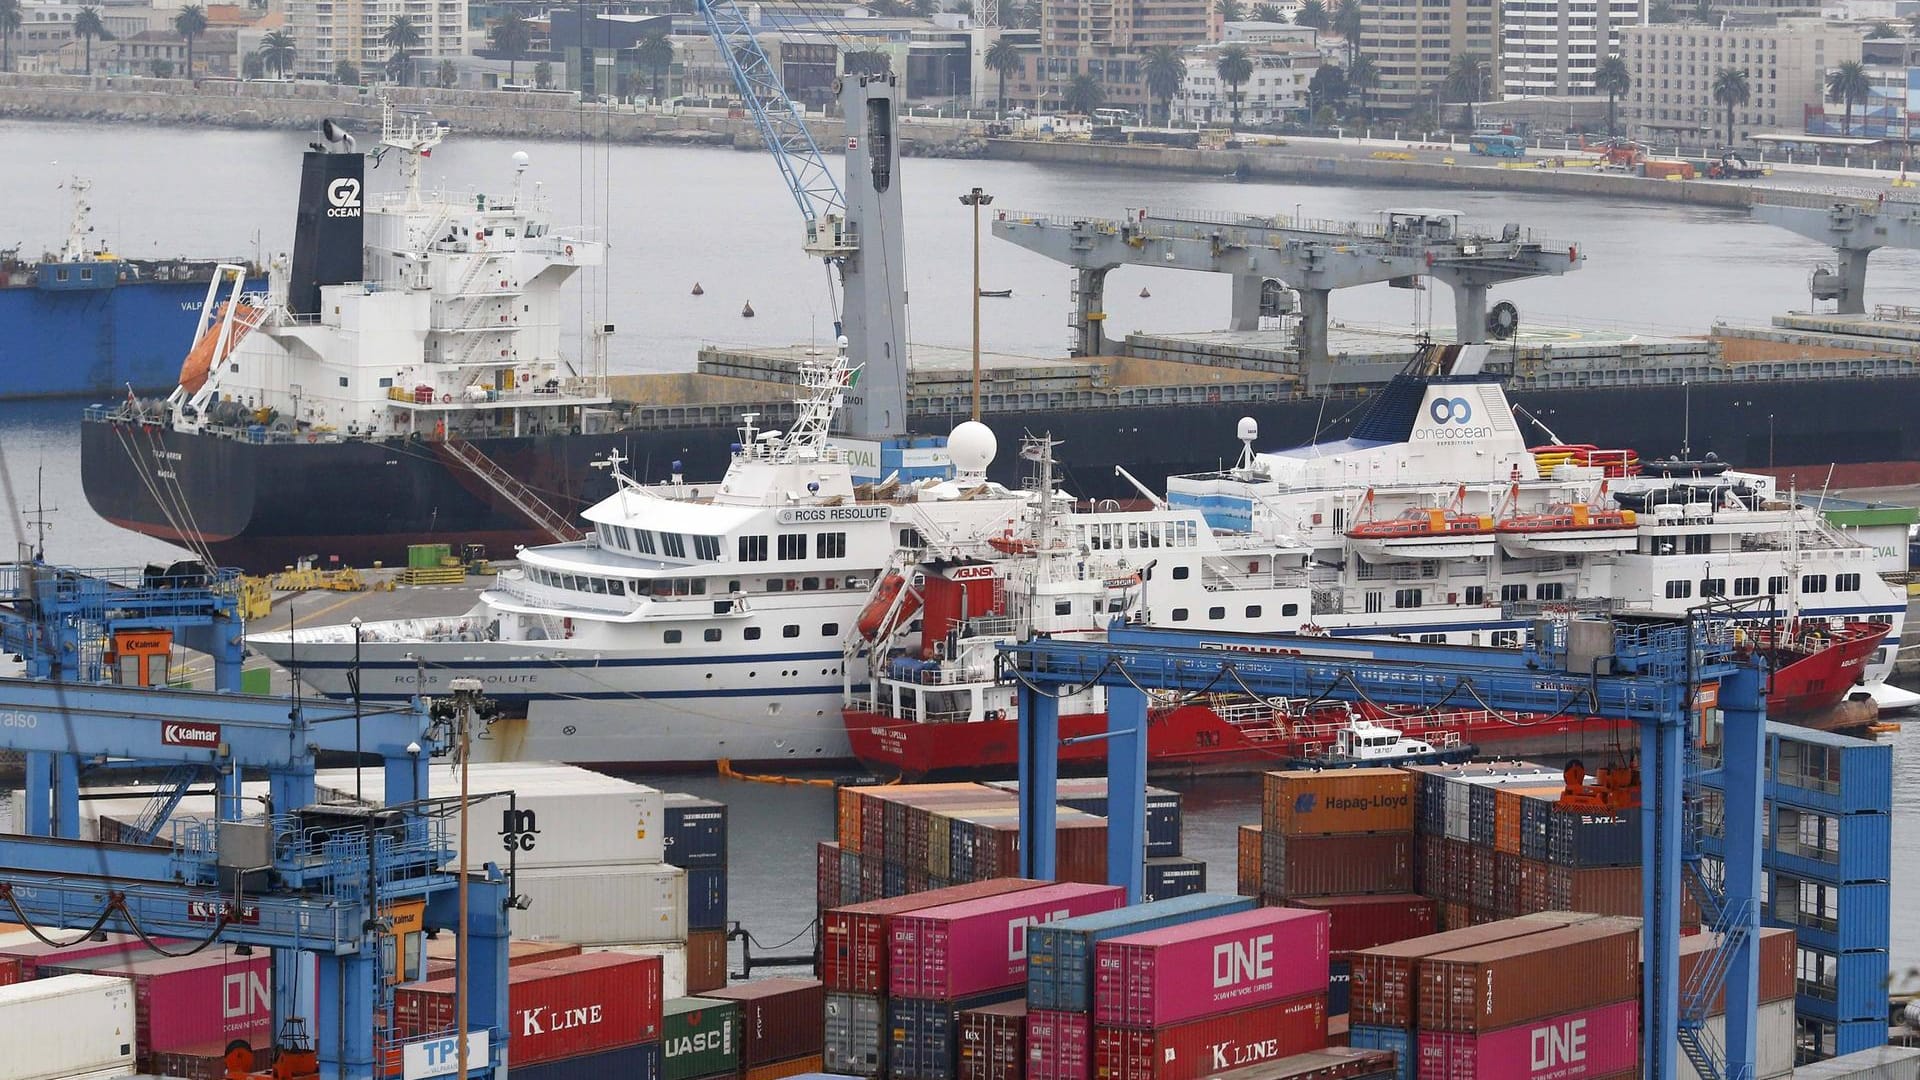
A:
{"x":1507,"y":803}
{"x":779,"y":1070}
{"x":1249,"y":860}
{"x":1312,"y":802}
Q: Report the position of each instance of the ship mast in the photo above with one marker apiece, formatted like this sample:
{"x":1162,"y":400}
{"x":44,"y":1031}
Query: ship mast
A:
{"x":414,"y":136}
{"x":76,"y":249}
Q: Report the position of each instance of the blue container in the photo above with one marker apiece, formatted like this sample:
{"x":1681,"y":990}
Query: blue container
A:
{"x":1585,"y":840}
{"x":1060,"y":954}
{"x":1824,"y":771}
{"x":1339,"y":987}
{"x":1860,"y":847}
{"x":641,"y":1062}
{"x":1853,"y":1036}
{"x":923,"y":1037}
{"x":707,"y":898}
{"x":894,"y":879}
{"x":696,"y":831}
{"x":1398,"y":1040}
{"x":1536,"y":821}
{"x":1178,"y":875}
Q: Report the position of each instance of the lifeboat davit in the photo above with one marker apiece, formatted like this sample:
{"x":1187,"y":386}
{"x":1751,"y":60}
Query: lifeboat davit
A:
{"x":873,"y":616}
{"x":200,"y":358}
{"x":1423,"y":533}
{"x":1572,"y":527}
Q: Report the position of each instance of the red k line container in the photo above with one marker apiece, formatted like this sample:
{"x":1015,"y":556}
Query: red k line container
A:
{"x":1385,"y":979}
{"x":1510,"y":982}
{"x":993,"y":1042}
{"x":1059,"y":1045}
{"x":1210,"y":967}
{"x":1325,"y":802}
{"x":1293,"y":866}
{"x":187,"y":1001}
{"x":956,"y":951}
{"x":1361,"y":922}
{"x":1589,"y":1044}
{"x":1214,"y":1044}
{"x":853,"y":949}
{"x":780,"y":1019}
{"x":557,"y":1008}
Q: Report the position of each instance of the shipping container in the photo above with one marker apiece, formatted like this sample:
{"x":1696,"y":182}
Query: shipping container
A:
{"x":699,"y":1037}
{"x":641,"y":1061}
{"x":1483,"y":800}
{"x":1505,"y":983}
{"x":1322,"y":802}
{"x":696,"y":831}
{"x":1773,"y":1042}
{"x":557,"y":1008}
{"x":1386,"y":977}
{"x":1361,"y":922}
{"x":442,"y":954}
{"x":1059,"y":1045}
{"x":207,"y":1061}
{"x":1829,"y":772}
{"x":1594,"y":1042}
{"x":951,"y":952}
{"x":1174,"y":876}
{"x":1395,"y":1040}
{"x":1777,"y":956}
{"x":1224,"y":964}
{"x":779,"y":1018}
{"x":1060,"y":955}
{"x":924,"y":1036}
{"x":855,"y":1034}
{"x":9,"y":970}
{"x":1510,"y":813}
{"x":186,"y":1001}
{"x":1088,"y":794}
{"x":829,"y":890}
{"x":89,"y":1018}
{"x":1335,"y":865}
{"x":604,"y":905}
{"x":1249,"y":861}
{"x":1212,"y":1045}
{"x":673,"y":965}
{"x":1336,"y":1027}
{"x":854,"y":938}
{"x":993,"y":1042}
{"x":706,"y":898}
{"x":706,"y":960}
{"x":31,"y":951}
{"x":1339,"y":986}
{"x":808,"y":1065}
{"x":1332,"y":1063}
{"x":1585,"y":839}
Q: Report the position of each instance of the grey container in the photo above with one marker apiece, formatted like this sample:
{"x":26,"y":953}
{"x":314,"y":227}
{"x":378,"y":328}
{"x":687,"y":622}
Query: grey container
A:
{"x":856,"y":1042}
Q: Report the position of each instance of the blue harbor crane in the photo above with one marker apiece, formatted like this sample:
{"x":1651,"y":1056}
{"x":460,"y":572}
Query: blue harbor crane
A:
{"x":1688,"y":685}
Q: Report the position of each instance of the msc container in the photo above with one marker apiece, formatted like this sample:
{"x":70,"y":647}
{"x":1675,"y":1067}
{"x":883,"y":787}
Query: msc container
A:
{"x":1395,"y":1040}
{"x":1060,"y":955}
{"x":1504,"y":983}
{"x":695,"y":830}
{"x":854,"y":946}
{"x":442,"y":954}
{"x":855,"y":1037}
{"x":1336,"y":865}
{"x":1598,"y":1041}
{"x":1322,"y":802}
{"x":779,"y":1018}
{"x":1206,"y":968}
{"x":951,"y":952}
{"x":993,"y":1042}
{"x":1248,"y":863}
{"x":89,"y":1016}
{"x":1361,"y":922}
{"x":1386,"y":977}
{"x":706,"y":960}
{"x":641,"y":1061}
{"x":706,"y":897}
{"x":185,"y":1001}
{"x":699,"y":1037}
{"x":923,"y":1037}
{"x":604,"y":905}
{"x":556,"y":1009}
{"x":1174,"y":876}
{"x":31,"y":951}
{"x":1213,"y":1044}
{"x":1582,"y":840}
{"x":1773,"y":1042}
{"x":1059,"y":1045}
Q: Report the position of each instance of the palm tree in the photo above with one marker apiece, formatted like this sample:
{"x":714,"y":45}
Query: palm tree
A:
{"x":448,"y":75}
{"x":1166,"y":72}
{"x":190,"y":24}
{"x":401,"y":35}
{"x":1362,"y":76}
{"x":1463,"y":78}
{"x":1085,"y":94}
{"x":1730,"y":89}
{"x":1312,"y":13}
{"x":1235,"y":67}
{"x":1346,"y":19}
{"x":511,"y":36}
{"x":655,"y":53}
{"x":11,"y":17}
{"x":1328,"y":85}
{"x":1003,"y":59}
{"x":277,"y":51}
{"x":1268,"y":13}
{"x":1848,"y":82}
{"x":346,"y":74}
{"x":87,"y":24}
{"x":543,"y":74}
{"x":1612,"y":77}
{"x":1231,"y":11}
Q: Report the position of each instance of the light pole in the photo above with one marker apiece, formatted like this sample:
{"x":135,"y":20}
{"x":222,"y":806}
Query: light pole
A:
{"x":1769,"y":440}
{"x":976,"y":199}
{"x":463,"y":692}
{"x":355,"y":681}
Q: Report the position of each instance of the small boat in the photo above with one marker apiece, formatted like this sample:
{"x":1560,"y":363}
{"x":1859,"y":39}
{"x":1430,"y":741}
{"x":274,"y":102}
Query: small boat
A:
{"x":1362,"y":743}
{"x":1711,"y":465}
{"x":1568,"y":528}
{"x":1422,"y":532}
{"x":996,"y":294}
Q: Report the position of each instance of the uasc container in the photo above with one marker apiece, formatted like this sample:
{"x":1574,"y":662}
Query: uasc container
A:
{"x":71,"y":1025}
{"x":854,"y":938}
{"x":951,"y":952}
{"x":993,"y":1042}
{"x":1316,"y":802}
{"x":1504,"y":983}
{"x":1220,"y":965}
{"x":1596,"y":1042}
{"x":556,"y":1008}
{"x":1213,"y":1044}
{"x":699,"y":1037}
{"x":780,"y":1019}
{"x":1060,"y":955}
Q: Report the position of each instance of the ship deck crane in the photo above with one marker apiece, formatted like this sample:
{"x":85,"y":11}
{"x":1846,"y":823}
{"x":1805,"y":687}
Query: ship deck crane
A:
{"x":1667,"y":676}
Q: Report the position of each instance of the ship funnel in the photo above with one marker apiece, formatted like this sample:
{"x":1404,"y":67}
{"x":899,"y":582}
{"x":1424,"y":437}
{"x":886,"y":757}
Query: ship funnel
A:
{"x":328,"y":227}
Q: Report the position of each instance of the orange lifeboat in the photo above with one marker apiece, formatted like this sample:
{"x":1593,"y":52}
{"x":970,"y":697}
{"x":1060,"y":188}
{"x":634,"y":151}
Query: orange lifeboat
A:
{"x":200,"y":358}
{"x":1422,"y":522}
{"x":874,"y":615}
{"x":1571,"y":517}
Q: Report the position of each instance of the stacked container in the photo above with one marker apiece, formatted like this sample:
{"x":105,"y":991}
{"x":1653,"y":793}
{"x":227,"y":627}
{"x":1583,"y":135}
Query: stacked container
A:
{"x":1774,"y":1033}
{"x":187,"y":1004}
{"x":696,"y":842}
{"x":74,"y":1027}
{"x":700,"y":1039}
{"x":780,"y":1026}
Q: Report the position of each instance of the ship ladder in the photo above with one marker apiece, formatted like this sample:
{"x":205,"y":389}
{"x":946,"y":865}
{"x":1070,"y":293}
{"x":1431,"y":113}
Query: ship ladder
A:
{"x":532,"y":506}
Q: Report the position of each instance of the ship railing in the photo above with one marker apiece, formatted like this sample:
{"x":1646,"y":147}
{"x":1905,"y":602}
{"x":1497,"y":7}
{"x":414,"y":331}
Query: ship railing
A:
{"x":1896,"y":313}
{"x":478,"y":202}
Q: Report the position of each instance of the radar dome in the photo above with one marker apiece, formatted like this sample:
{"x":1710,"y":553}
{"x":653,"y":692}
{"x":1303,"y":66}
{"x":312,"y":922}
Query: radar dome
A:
{"x":1249,"y":429}
{"x":972,"y":447}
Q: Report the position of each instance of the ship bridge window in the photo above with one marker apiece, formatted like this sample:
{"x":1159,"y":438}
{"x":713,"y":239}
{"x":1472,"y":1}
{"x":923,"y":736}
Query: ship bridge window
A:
{"x":1063,"y":607}
{"x":911,"y":538}
{"x":1289,"y":610}
{"x":1846,"y":582}
{"x":1813,"y":583}
{"x":668,"y":587}
{"x":790,"y":630}
{"x":1406,"y":598}
{"x":1253,"y":611}
{"x":1699,"y":543}
{"x":1713,"y":586}
{"x":753,"y":549}
{"x":643,"y":541}
{"x":706,"y":548}
{"x":598,"y":585}
{"x":1550,"y":590}
{"x":1179,"y":614}
{"x":1746,"y":586}
{"x":793,"y":545}
{"x":831,"y":629}
{"x":1510,"y":593}
{"x":1679,"y":590}
{"x":712,"y":634}
{"x":673,"y":545}
{"x":751,"y":633}
{"x":1475,"y":595}
{"x":832,"y":545}
{"x":616,"y":587}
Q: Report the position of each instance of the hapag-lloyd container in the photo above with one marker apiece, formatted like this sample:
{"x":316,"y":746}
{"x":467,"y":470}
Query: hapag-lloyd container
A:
{"x":951,"y":952}
{"x":854,"y":945}
{"x":780,"y":1019}
{"x":184,"y":1001}
{"x":1060,"y":955}
{"x":1386,"y":979}
{"x":557,"y":1008}
{"x":1504,"y":983}
{"x":1323,"y":802}
{"x":1336,"y":865}
{"x":1059,"y":1045}
{"x":993,"y":1042}
{"x":1201,"y":969}
{"x":72,"y":1025}
{"x":923,"y":1037}
{"x":1361,"y":922}
{"x":1212,"y":1044}
{"x":855,"y":1035}
{"x":1587,"y":1044}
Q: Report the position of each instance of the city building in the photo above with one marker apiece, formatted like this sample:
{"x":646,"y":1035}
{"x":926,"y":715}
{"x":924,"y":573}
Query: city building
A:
{"x":1887,"y":112}
{"x":1107,"y":40}
{"x":1414,"y":43}
{"x":1673,"y":68}
{"x":328,"y":32}
{"x":1551,"y":47}
{"x":1277,"y":91}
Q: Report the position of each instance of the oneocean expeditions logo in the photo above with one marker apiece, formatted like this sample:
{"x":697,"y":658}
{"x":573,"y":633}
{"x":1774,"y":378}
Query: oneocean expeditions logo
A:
{"x":1450,"y":410}
{"x":1452,"y":422}
{"x":343,"y":197}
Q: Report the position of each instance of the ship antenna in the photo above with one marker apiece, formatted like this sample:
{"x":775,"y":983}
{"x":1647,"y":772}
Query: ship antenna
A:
{"x":36,"y":515}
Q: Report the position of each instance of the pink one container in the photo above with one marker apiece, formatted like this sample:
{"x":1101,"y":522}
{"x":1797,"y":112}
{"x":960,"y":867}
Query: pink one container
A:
{"x":1059,"y":1045}
{"x":1599,"y":1042}
{"x":955,"y":951}
{"x":187,"y":1001}
{"x":1209,"y":967}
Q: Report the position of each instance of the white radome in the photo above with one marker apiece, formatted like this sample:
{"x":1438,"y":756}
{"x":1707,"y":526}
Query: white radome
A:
{"x":972,"y":446}
{"x":1249,"y":429}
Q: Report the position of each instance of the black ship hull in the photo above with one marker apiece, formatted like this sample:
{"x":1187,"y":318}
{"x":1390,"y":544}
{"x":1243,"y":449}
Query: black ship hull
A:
{"x":259,"y":506}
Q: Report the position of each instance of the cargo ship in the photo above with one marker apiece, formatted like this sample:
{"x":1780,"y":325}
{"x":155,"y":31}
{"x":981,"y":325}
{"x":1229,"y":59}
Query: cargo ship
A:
{"x":86,"y":322}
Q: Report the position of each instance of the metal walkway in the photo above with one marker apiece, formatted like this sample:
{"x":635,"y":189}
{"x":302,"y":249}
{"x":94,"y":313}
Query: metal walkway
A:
{"x":519,"y":495}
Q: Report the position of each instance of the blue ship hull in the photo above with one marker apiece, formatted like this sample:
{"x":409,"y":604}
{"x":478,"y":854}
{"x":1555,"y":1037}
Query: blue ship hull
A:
{"x":95,"y":342}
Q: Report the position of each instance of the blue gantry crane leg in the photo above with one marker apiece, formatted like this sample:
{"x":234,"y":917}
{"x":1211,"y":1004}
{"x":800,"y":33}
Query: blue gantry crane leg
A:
{"x":1667,"y":677}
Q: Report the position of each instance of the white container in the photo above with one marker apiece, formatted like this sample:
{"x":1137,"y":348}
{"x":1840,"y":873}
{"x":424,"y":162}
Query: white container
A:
{"x":1773,"y":1042}
{"x":594,"y":905}
{"x":673,"y":965}
{"x":560,"y":816}
{"x":67,"y":1027}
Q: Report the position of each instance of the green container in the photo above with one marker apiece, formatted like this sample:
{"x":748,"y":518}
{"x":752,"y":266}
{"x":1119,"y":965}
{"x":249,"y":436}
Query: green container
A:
{"x":426,"y":555}
{"x":257,"y":681}
{"x":701,"y":1038}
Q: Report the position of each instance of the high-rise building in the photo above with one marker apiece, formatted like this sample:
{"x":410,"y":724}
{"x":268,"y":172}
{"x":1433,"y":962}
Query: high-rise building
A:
{"x":326,"y":32}
{"x":1673,"y":66}
{"x":1107,"y":40}
{"x":1415,"y":43}
{"x":1551,"y":47}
